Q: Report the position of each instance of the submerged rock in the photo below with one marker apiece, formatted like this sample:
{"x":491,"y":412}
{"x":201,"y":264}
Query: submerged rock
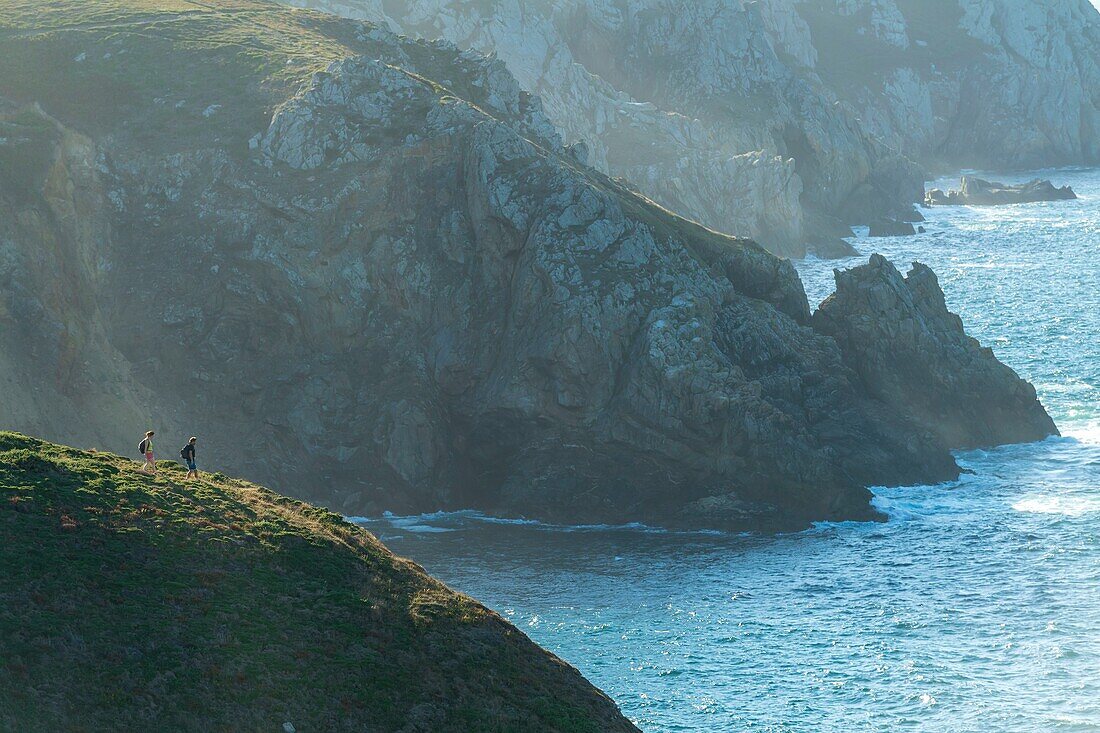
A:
{"x":912,"y":353}
{"x":979,"y":192}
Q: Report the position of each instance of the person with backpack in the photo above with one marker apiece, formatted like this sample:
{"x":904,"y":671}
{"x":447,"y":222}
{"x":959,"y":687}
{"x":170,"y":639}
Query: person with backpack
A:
{"x":145,"y":447}
{"x":187,"y":453}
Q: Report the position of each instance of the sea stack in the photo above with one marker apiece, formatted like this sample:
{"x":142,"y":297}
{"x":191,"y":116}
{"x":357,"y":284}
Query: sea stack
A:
{"x":912,"y":353}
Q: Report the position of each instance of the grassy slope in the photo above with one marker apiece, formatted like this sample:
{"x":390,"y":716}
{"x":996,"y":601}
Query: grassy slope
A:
{"x":154,"y":66}
{"x":133,"y":603}
{"x":179,"y":74}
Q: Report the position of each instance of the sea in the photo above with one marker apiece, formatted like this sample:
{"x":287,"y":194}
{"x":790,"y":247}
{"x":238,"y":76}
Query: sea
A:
{"x":976,"y":607}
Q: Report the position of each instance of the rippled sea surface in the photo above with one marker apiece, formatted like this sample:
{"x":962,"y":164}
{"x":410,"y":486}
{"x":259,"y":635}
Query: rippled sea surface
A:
{"x":975,"y":608}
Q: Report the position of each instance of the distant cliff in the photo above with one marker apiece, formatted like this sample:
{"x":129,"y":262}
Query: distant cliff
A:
{"x":786,"y":120}
{"x":365,"y":269}
{"x":137,"y":604}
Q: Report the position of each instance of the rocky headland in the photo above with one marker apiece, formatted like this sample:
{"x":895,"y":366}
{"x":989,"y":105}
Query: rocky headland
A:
{"x":366,"y":270}
{"x":133,"y":603}
{"x":787,"y":121}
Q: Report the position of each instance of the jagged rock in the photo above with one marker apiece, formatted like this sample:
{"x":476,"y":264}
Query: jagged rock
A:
{"x":728,"y":135}
{"x":579,"y":152}
{"x":890,"y":228}
{"x":912,"y":353}
{"x":978,"y":192}
{"x":827,"y":247}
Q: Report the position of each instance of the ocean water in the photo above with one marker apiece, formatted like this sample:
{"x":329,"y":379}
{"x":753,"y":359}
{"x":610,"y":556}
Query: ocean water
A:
{"x":975,"y":608}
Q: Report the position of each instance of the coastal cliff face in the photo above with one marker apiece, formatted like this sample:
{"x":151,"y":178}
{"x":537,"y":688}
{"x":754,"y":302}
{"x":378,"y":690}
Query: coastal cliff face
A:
{"x":786,"y":121}
{"x":366,"y":269}
{"x":968,"y":83}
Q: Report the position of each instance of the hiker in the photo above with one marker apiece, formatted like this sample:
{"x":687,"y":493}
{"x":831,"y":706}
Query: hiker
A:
{"x":187,"y":453}
{"x":146,"y":449}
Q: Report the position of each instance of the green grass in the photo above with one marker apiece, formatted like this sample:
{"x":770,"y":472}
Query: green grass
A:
{"x":157,"y":65}
{"x":137,"y":603}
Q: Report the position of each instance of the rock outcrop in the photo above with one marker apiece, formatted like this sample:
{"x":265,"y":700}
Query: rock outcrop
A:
{"x":911,"y":352}
{"x":366,"y":269}
{"x":839,"y":105}
{"x":693,"y":103}
{"x":978,"y":192}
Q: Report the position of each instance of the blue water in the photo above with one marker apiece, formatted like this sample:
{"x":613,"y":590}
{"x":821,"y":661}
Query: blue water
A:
{"x":975,"y":608}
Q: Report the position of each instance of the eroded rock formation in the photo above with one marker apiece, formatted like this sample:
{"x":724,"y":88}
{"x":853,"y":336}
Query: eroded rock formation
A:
{"x":890,"y":228}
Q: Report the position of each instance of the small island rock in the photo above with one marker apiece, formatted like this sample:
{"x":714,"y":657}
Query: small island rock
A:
{"x":979,"y":192}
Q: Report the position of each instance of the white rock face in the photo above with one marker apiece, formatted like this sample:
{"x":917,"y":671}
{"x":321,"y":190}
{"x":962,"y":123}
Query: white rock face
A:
{"x":726,"y":170}
{"x":1043,"y":104}
{"x":883,"y":19}
{"x":752,"y":118}
{"x":790,"y":31}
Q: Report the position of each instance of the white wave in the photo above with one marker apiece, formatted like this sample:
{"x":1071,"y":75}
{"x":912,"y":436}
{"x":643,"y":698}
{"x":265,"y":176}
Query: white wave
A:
{"x":1088,"y":434}
{"x":424,"y":528}
{"x":1068,"y":506}
{"x":429,"y":523}
{"x":897,"y":510}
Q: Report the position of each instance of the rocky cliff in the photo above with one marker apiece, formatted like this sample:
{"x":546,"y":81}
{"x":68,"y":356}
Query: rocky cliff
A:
{"x":131,"y":604}
{"x":786,"y":120}
{"x":971,"y":83}
{"x":366,"y":269}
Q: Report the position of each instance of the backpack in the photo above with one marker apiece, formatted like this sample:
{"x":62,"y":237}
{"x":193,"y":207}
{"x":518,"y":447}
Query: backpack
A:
{"x":183,"y":452}
{"x":141,"y":447}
